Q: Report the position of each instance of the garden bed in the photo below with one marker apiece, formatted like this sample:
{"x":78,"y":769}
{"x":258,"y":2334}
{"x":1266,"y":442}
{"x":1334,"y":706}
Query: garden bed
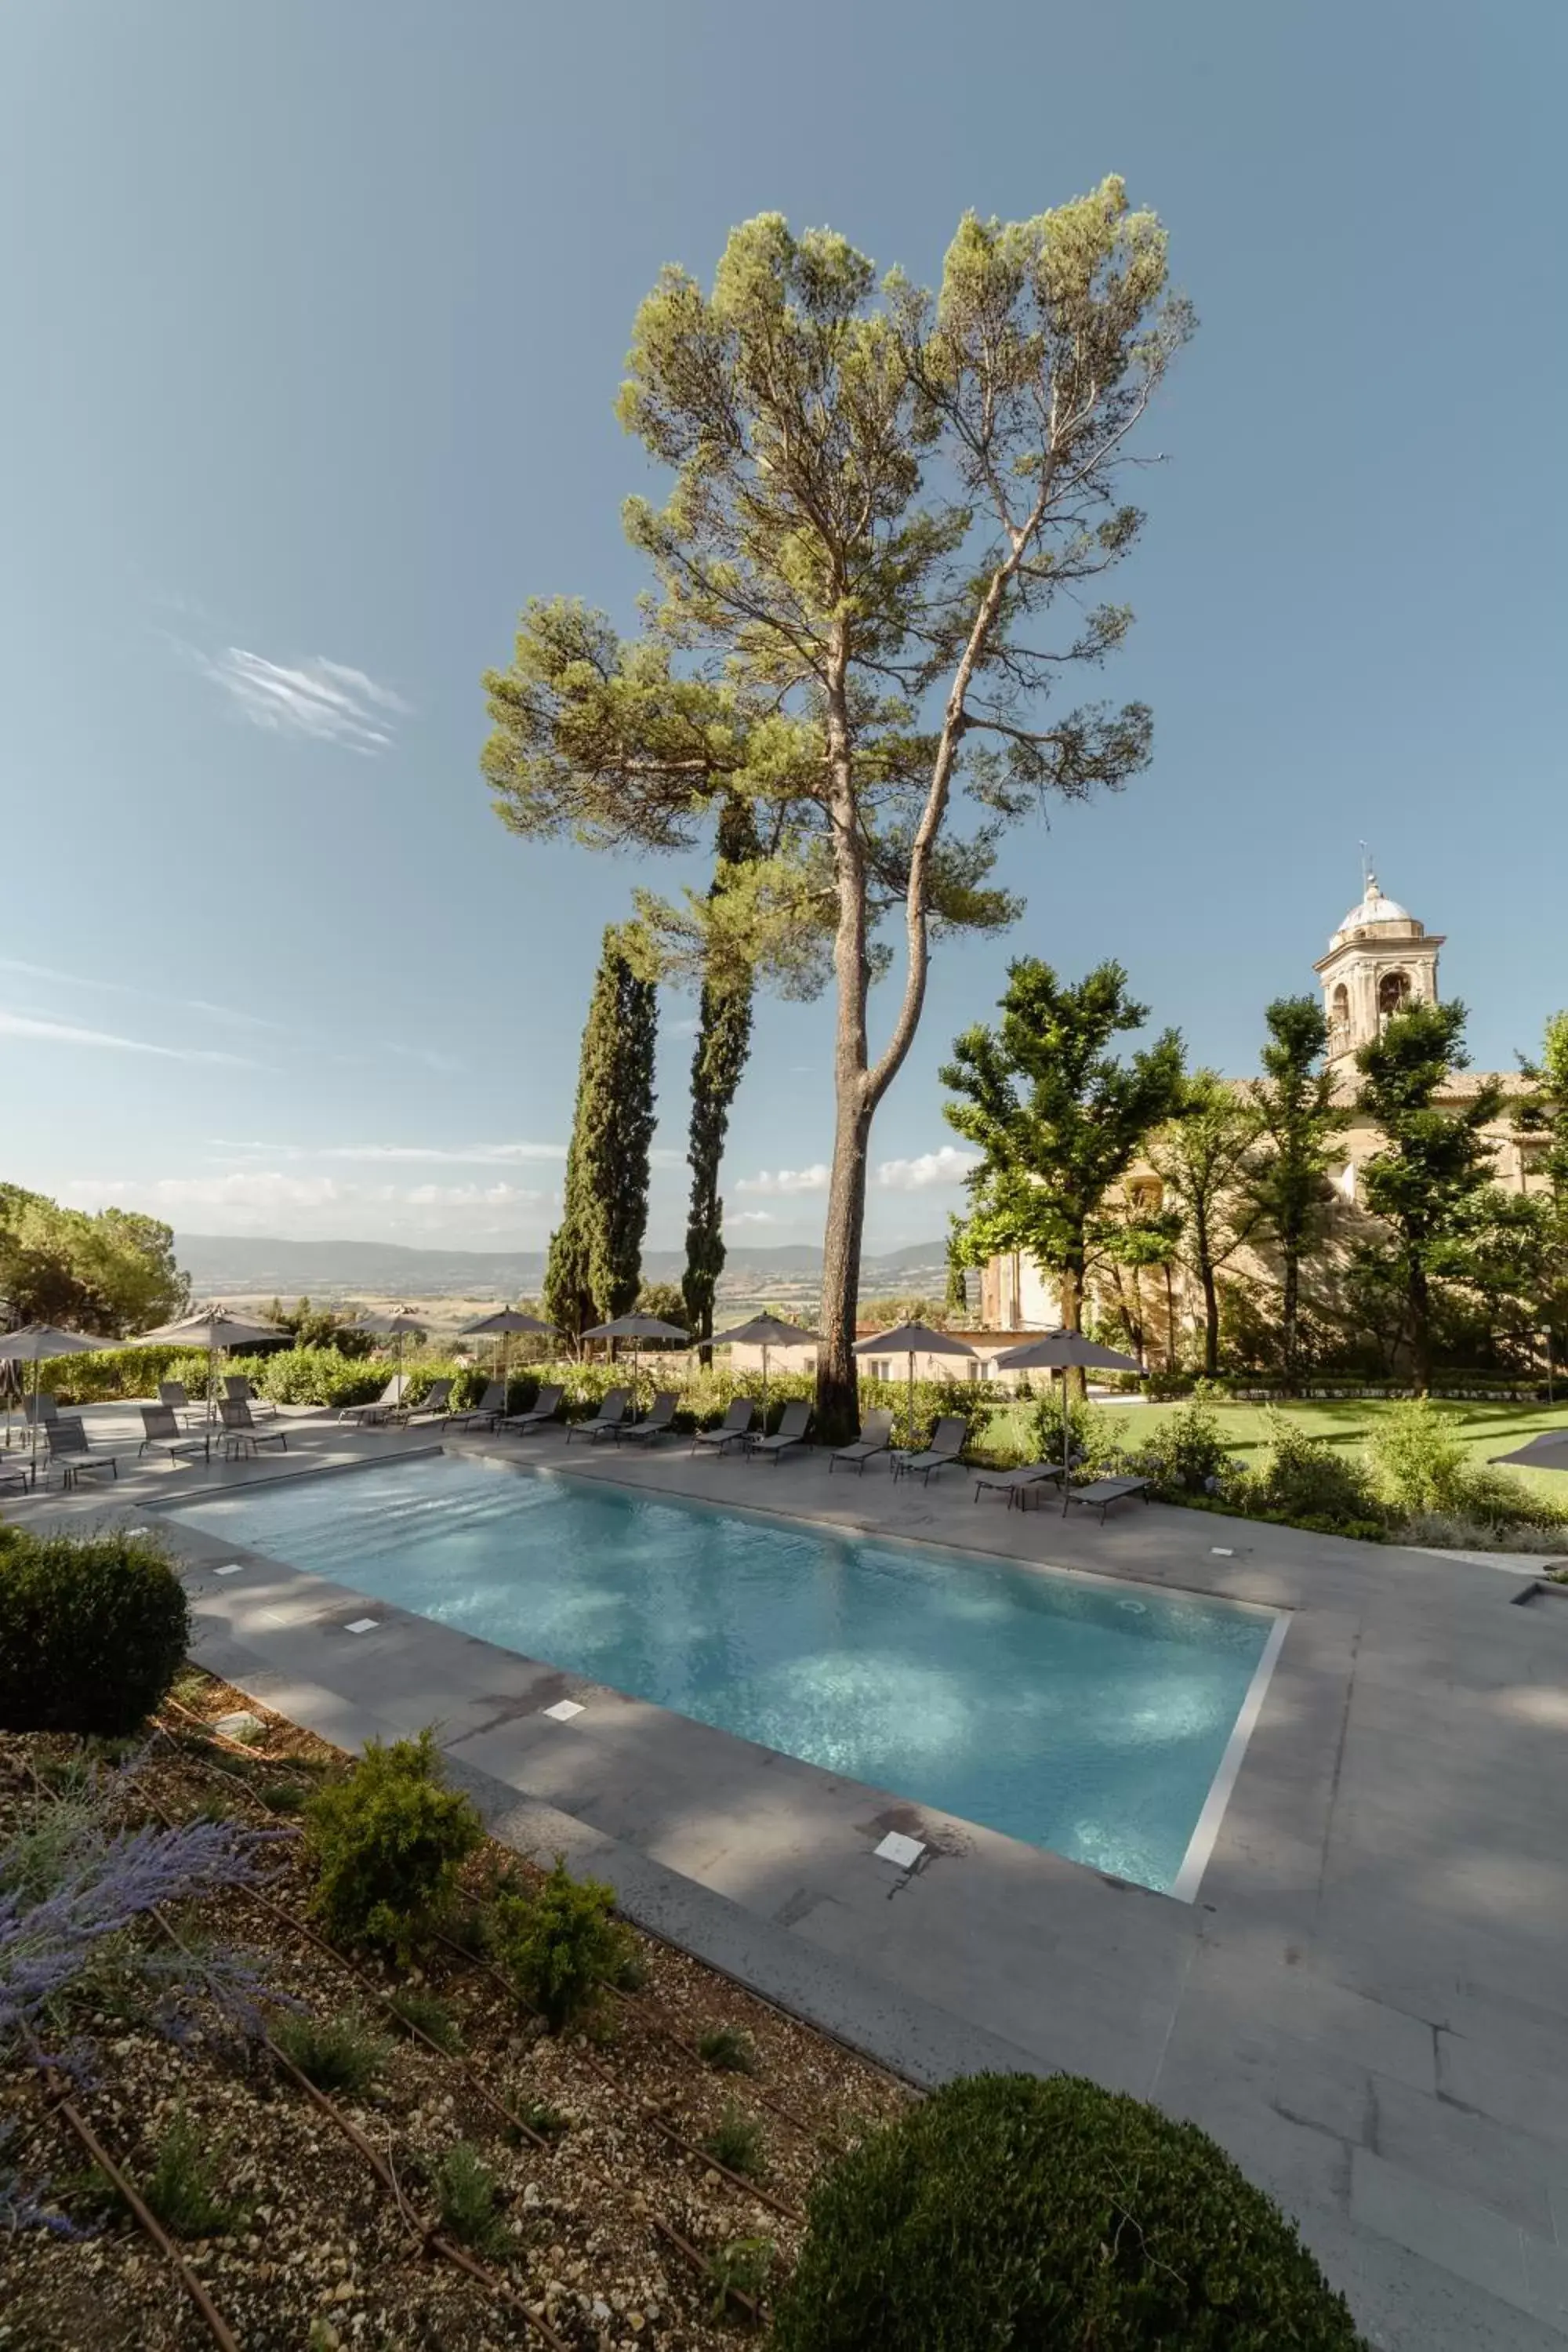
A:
{"x":609,"y":2224}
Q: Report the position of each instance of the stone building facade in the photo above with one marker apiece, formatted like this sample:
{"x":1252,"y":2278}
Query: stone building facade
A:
{"x":1379,"y":959}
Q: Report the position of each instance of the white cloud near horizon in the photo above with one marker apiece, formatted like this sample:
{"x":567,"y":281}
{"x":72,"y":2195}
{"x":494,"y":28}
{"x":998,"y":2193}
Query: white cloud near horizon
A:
{"x":465,"y":1155}
{"x":256,"y":1201}
{"x":67,"y":1033}
{"x":327,"y":701}
{"x":774,"y":1181}
{"x":928,"y":1172}
{"x":947,"y":1165}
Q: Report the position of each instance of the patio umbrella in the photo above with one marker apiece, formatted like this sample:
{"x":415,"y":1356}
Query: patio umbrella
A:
{"x":765,"y":1331}
{"x":913,"y":1339}
{"x":637,"y":1328}
{"x":210,"y":1328}
{"x":502,"y":1324}
{"x":1547,"y":1452}
{"x":396,"y":1326}
{"x":35,"y":1344}
{"x":1059,"y":1351}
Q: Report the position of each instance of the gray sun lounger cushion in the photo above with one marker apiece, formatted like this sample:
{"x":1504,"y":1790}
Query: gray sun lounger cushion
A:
{"x":241,"y":1389}
{"x":1015,"y":1484}
{"x":545,"y":1407}
{"x":876,"y":1438}
{"x":945,"y":1448}
{"x":1100,"y":1493}
{"x":607,"y":1422}
{"x":384,"y":1404}
{"x":660,"y":1419}
{"x":735,"y":1429}
{"x":432,"y":1405}
{"x":793,"y":1423}
{"x":490,"y":1407}
{"x":239,"y":1430}
{"x":69,"y":1448}
{"x":161,"y":1435}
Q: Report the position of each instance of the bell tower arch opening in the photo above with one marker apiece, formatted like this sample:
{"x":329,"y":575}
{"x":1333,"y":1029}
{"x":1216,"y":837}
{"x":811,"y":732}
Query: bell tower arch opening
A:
{"x":1380,"y":959}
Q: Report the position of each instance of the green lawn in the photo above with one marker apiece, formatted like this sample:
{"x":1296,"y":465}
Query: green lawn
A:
{"x":1483,"y":1428}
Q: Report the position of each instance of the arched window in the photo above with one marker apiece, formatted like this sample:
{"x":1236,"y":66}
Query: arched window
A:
{"x":1392,"y":991}
{"x":1339,"y":1008}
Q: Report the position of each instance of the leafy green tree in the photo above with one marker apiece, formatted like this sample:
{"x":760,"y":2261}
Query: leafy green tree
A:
{"x":1203,"y":1159}
{"x":878,"y":495}
{"x":113,"y":1272}
{"x":956,"y":1301}
{"x":1056,"y":1117}
{"x":1543,"y":1118}
{"x":1131,"y":1238}
{"x":723,"y":1042}
{"x":1432,"y":1183}
{"x":1299,"y":1115}
{"x":665,"y":1299}
{"x":593,"y":1266}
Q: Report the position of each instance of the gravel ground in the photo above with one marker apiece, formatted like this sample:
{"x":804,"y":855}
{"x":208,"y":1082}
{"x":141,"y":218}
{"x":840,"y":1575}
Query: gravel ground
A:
{"x":316,"y":2251}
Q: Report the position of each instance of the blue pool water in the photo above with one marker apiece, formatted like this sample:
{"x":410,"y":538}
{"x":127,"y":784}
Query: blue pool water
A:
{"x":1080,"y":1715}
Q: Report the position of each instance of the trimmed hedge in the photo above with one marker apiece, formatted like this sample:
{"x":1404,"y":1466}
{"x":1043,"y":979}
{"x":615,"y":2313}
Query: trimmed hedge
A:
{"x":1008,"y":2211}
{"x":93,"y":1630}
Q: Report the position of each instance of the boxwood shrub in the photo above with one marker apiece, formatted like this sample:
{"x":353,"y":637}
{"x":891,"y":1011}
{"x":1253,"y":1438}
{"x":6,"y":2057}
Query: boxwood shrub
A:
{"x":388,"y":1843}
{"x":1006,"y":2210}
{"x":93,"y":1630}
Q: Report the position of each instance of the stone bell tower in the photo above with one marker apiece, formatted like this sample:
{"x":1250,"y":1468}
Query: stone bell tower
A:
{"x":1379,"y":959}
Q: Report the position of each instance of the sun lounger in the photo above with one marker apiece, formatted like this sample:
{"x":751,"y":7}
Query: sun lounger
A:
{"x":13,"y":1479}
{"x":545,"y":1407}
{"x":242,"y":1390}
{"x":369,"y":1416}
{"x":658,"y":1421}
{"x":175,"y":1397}
{"x":68,"y":1447}
{"x":490,"y":1407}
{"x":793,"y":1423}
{"x":42,"y":1408}
{"x":1100,"y":1493}
{"x":876,"y":1438}
{"x":735,"y":1429}
{"x":945,"y":1448}
{"x":161,"y":1435}
{"x":240,"y":1432}
{"x":607,"y":1422}
{"x":1016,"y":1483}
{"x":432,"y":1406}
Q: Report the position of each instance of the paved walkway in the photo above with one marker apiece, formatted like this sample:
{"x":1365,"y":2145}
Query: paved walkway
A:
{"x":1366,"y":2003}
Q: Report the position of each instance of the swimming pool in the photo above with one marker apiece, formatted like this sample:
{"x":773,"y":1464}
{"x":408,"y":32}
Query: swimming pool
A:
{"x":1095,"y":1718}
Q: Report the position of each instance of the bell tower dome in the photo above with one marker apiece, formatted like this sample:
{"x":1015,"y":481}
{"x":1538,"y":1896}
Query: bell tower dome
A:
{"x":1379,"y":959}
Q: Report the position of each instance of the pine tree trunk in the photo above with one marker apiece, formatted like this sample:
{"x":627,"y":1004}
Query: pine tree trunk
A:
{"x":837,"y":1393}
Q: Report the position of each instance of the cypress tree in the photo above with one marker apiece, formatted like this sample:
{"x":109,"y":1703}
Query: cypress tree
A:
{"x":593,"y":1268}
{"x":723,"y":1042}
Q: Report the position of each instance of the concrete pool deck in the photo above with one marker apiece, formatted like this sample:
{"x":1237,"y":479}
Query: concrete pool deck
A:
{"x":1366,"y":2003}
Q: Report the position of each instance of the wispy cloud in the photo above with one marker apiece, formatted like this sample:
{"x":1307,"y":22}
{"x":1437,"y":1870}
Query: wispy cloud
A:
{"x":325,"y":700}
{"x":57,"y":979}
{"x":65,"y":1032}
{"x":947,"y":1165}
{"x":754,"y":1217}
{"x":786,"y":1179}
{"x":461,"y":1155}
{"x":263,"y":1200}
{"x":430,"y":1057}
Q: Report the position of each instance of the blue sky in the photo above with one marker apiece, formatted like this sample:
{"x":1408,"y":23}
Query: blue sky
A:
{"x":314,"y":321}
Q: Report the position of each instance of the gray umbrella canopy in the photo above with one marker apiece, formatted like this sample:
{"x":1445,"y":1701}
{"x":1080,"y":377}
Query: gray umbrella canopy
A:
{"x":637,"y":1328}
{"x":765,"y":1331}
{"x":35,"y":1344}
{"x":1061,"y":1352}
{"x":502,"y":1325}
{"x":210,"y":1328}
{"x":1547,"y":1452}
{"x":913,"y":1339}
{"x":399,"y":1326}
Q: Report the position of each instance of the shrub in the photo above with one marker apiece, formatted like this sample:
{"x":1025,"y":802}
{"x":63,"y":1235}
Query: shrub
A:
{"x":1094,"y":1438}
{"x":1419,"y":1461}
{"x":1306,"y":1479}
{"x":465,"y":2200}
{"x":388,"y":1842}
{"x":736,"y":2142}
{"x":1006,"y":2209}
{"x":93,"y":1630}
{"x":430,"y":2017}
{"x":180,"y":2187}
{"x":1458,"y":1531}
{"x":743,"y":2266}
{"x":1190,"y":1452}
{"x":728,"y":2050}
{"x":337,"y":2053}
{"x":561,"y":1945}
{"x":316,"y":1375}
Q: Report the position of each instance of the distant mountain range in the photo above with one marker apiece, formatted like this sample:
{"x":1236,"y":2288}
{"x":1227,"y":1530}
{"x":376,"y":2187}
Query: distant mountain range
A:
{"x":218,"y":1261}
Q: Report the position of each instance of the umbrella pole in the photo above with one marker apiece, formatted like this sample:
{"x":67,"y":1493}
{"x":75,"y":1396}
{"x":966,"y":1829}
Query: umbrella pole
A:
{"x":1067,"y":1439}
{"x":913,"y":1446}
{"x":35,"y":1371}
